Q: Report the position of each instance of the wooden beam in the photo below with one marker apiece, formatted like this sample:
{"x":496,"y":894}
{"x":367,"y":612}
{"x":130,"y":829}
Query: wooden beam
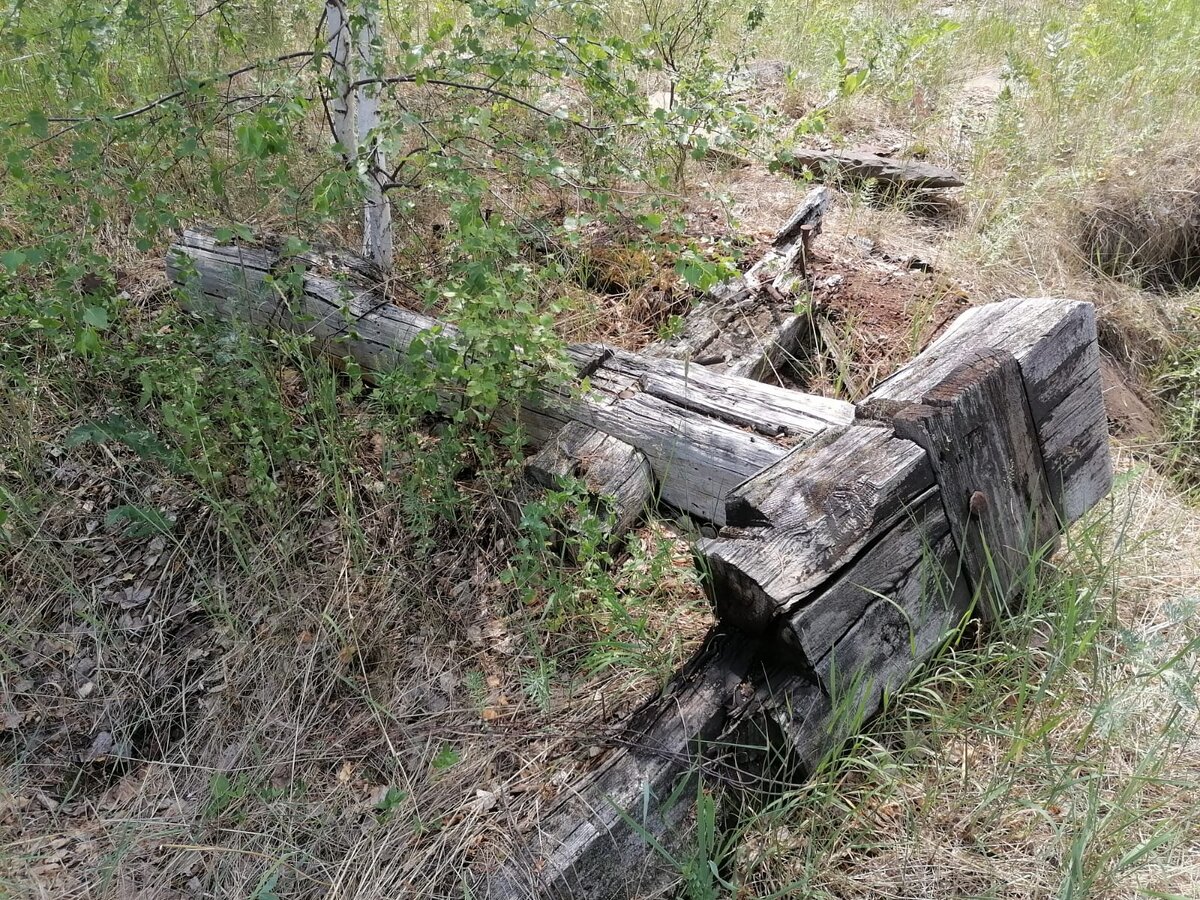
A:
{"x":747,"y":326}
{"x":597,"y":841}
{"x":339,"y":305}
{"x":804,"y":518}
{"x":976,"y":428}
{"x":857,"y":165}
{"x":617,"y":476}
{"x":1054,"y":342}
{"x":849,"y":552}
{"x":765,"y":408}
{"x":964,"y":405}
{"x":696,"y":451}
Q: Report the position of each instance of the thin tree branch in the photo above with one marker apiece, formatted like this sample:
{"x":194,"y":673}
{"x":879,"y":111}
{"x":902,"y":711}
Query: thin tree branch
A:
{"x":466,"y":86}
{"x":74,"y":121}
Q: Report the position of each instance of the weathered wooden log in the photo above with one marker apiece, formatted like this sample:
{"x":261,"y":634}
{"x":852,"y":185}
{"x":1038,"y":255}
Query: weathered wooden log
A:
{"x":609,"y":837}
{"x":854,"y":547}
{"x":617,"y":475}
{"x":766,"y":409}
{"x":913,"y":597}
{"x":859,"y":166}
{"x":1055,"y":344}
{"x":699,"y":450}
{"x":333,"y":298}
{"x":700,"y":388}
{"x":846,"y":557}
{"x":748,"y":326}
{"x":339,"y":303}
{"x":811,"y":513}
{"x":698,"y":385}
{"x":979,"y":436}
{"x":806,"y":517}
{"x":598,"y":841}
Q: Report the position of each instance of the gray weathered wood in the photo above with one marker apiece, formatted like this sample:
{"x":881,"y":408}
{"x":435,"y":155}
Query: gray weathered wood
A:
{"x":806,"y":517}
{"x":856,"y":165}
{"x":877,"y":622}
{"x":788,"y":726}
{"x":976,"y":427}
{"x":763,"y":407}
{"x":344,"y":311}
{"x":617,"y":475}
{"x":843,"y":555}
{"x":586,"y":848}
{"x":880,"y":570}
{"x":1055,"y":344}
{"x":841,"y":562}
{"x":696,"y":457}
{"x":697,"y":460}
{"x":914,"y":598}
{"x":747,"y":326}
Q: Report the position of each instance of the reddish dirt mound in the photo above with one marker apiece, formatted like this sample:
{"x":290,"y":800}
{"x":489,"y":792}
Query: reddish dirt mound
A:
{"x":873,"y":316}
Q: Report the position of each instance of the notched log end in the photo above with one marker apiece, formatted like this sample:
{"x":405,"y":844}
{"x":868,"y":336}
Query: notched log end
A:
{"x":879,"y":410}
{"x":736,"y":597}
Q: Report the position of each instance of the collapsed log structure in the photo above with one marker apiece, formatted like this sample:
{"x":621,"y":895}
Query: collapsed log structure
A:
{"x":748,"y":326}
{"x":850,"y":541}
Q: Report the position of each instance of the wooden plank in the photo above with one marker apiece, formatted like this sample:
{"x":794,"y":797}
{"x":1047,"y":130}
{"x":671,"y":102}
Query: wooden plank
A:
{"x":881,"y":569}
{"x":977,"y":429}
{"x":767,"y":409}
{"x":857,"y":165}
{"x":915,"y":600}
{"x":697,"y":460}
{"x":618,"y":476}
{"x":344,"y":312}
{"x":1055,"y":344}
{"x":805,"y":517}
{"x":586,"y":847}
{"x":787,"y":728}
{"x":703,"y":433}
{"x":856,"y":642}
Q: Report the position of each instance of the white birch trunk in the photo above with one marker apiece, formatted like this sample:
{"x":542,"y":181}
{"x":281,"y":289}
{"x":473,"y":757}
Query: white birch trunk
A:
{"x":377,"y":211}
{"x":354,"y":116}
{"x":341,"y":104}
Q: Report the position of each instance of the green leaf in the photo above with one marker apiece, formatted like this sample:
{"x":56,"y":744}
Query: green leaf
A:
{"x":390,"y":800}
{"x":87,"y":342}
{"x":37,"y":123}
{"x":96,"y":317}
{"x":294,"y":246}
{"x":651,"y":221}
{"x":266,"y":888}
{"x":446,"y":758}
{"x":143,"y":521}
{"x":12,"y":259}
{"x":116,"y":428}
